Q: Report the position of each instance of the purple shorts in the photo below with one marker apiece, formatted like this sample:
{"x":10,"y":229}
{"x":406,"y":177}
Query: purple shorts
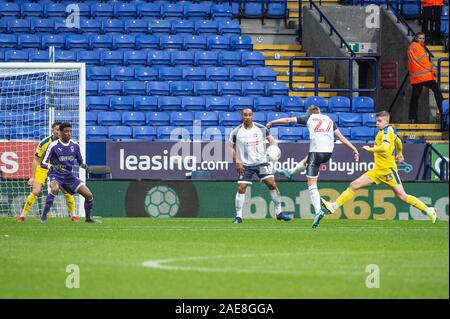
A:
{"x":69,"y":182}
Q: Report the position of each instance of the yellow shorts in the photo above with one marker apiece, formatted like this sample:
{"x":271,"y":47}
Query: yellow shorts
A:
{"x":41,"y":175}
{"x":388,"y":176}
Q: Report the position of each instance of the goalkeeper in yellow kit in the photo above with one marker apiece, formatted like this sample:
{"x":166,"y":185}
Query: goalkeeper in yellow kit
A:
{"x":39,"y":176}
{"x":387,"y":143}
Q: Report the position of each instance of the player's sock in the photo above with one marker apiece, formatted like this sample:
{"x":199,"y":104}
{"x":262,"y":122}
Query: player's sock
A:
{"x":70,"y":201}
{"x":275,"y":194}
{"x":300,"y":167}
{"x":417,"y":203}
{"x":48,"y":203}
{"x":343,"y":198}
{"x":28,"y":204}
{"x":88,"y":204}
{"x":239,"y":204}
{"x":315,"y":198}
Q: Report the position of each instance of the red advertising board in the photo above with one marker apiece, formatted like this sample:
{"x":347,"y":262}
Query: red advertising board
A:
{"x":16,"y":158}
{"x":389,"y":75}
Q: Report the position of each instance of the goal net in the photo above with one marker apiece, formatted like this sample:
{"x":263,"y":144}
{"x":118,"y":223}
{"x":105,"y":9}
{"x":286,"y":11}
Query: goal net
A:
{"x":32,"y":97}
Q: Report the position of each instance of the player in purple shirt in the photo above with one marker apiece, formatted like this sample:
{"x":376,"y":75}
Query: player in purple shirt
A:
{"x":59,"y":160}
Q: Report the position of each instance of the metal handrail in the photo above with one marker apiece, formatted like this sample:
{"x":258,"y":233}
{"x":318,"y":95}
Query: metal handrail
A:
{"x":316,"y":88}
{"x":439,"y":74}
{"x":428,"y":166}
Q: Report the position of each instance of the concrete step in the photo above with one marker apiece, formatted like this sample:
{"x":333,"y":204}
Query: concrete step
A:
{"x":286,"y":63}
{"x":285,"y":78}
{"x":304,"y":85}
{"x":441,"y":54}
{"x":434,"y":48}
{"x":282,"y":55}
{"x":283,"y":70}
{"x":401,"y":126}
{"x":280,"y":47}
{"x":307,"y":94}
{"x":419,"y":135}
{"x":294,"y":6}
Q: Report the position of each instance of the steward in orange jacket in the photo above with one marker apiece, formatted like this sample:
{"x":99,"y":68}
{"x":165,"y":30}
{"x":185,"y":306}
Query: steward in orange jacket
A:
{"x":431,"y":20}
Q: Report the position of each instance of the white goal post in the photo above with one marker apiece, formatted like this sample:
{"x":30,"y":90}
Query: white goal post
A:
{"x":32,"y":97}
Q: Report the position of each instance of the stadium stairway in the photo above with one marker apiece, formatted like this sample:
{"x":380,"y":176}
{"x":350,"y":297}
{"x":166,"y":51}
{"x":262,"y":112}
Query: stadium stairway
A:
{"x":438,"y":52}
{"x":277,"y":56}
{"x":293,"y":6}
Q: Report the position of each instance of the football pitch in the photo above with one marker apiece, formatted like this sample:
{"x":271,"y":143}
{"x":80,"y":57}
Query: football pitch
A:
{"x":213,"y":258}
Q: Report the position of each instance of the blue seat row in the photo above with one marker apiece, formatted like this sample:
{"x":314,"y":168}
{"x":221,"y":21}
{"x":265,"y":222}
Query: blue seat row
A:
{"x":121,"y":9}
{"x":127,"y":41}
{"x":104,"y":25}
{"x":268,"y":88}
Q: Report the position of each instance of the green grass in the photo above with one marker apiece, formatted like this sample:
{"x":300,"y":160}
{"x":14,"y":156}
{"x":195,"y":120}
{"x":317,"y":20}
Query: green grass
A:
{"x":256,"y":259}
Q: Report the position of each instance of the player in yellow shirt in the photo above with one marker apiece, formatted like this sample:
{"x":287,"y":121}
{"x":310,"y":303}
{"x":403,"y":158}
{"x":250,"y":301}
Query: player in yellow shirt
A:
{"x":387,"y":143}
{"x":39,"y":176}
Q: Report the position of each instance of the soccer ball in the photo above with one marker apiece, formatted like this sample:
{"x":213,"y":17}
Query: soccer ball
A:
{"x":273,"y":152}
{"x":162,"y":201}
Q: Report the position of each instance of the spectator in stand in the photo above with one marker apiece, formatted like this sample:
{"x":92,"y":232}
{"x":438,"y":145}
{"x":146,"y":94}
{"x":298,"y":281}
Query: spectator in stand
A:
{"x":421,"y":73}
{"x":431,"y":20}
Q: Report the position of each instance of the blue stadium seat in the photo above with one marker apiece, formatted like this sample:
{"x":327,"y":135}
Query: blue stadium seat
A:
{"x":60,"y":25}
{"x":292,"y":104}
{"x":174,"y":133}
{"x":217,"y":74}
{"x":241,"y":42}
{"x":109,"y":88}
{"x":339,"y":104}
{"x":253,"y":9}
{"x":32,"y":118}
{"x":213,"y":133}
{"x":97,"y":103}
{"x":16,"y":56}
{"x":120,"y":132}
{"x":182,"y":58}
{"x":369,"y":119}
{"x":148,"y":10}
{"x":271,"y":116}
{"x":158,"y":58}
{"x":113,"y":25}
{"x":77,"y":41}
{"x":264,"y":74}
{"x":171,"y":42}
{"x":157,"y":118}
{"x":263,"y":103}
{"x":18,"y":25}
{"x":260,"y":117}
{"x":172,"y":10}
{"x":350,"y":119}
{"x":181,"y":118}
{"x":9,"y":9}
{"x":8,"y":41}
{"x":65,"y":56}
{"x":362,"y":133}
{"x":54,"y":10}
{"x":207,"y":118}
{"x":221,"y":11}
{"x":144,"y":133}
{"x":445,"y":107}
{"x":170,"y":74}
{"x":135,"y":26}
{"x":135,"y":58}
{"x":98,"y":73}
{"x":123,"y":41}
{"x":91,"y":118}
{"x":144,"y":41}
{"x":183,"y":27}
{"x":194,"y":74}
{"x":241,"y":74}
{"x":410,"y":9}
{"x":121,"y":73}
{"x":90,"y":25}
{"x":89,"y":56}
{"x":194,"y":42}
{"x":134,"y":88}
{"x":160,"y":26}
{"x":145,"y":103}
{"x":52,"y":40}
{"x":206,"y":27}
{"x":181,"y":88}
{"x":230,"y":58}
{"x":218,"y":42}
{"x":287,"y":133}
{"x":22,"y":132}
{"x":363,"y":104}
{"x":83,"y":9}
{"x":230,"y":118}
{"x":229,"y":88}
{"x":192,"y":103}
{"x":122,"y":9}
{"x":41,"y":25}
{"x":96,"y":132}
{"x":146,"y":74}
{"x":101,"y":40}
{"x":169,"y":103}
{"x":217,"y":103}
{"x":229,"y":27}
{"x":91,"y":87}
{"x":133,"y":118}
{"x":317,"y":101}
{"x":197,"y":10}
{"x":276,"y":88}
{"x":109,"y":118}
{"x":38,"y":56}
{"x":252,"y":58}
{"x":276,"y":9}
{"x":111,"y":57}
{"x":123,"y":103}
{"x":32,"y":10}
{"x":206,"y":58}
{"x":238,"y":103}
{"x":157,"y":88}
{"x":333,"y":116}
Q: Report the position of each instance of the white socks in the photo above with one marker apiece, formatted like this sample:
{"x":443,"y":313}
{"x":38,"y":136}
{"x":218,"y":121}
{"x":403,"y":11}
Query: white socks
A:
{"x":275,"y":194}
{"x":239,"y":204}
{"x":315,"y":197}
{"x":300,"y":167}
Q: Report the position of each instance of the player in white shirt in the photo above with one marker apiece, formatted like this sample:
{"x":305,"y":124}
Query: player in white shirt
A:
{"x":246,"y":144}
{"x":321,"y":134}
